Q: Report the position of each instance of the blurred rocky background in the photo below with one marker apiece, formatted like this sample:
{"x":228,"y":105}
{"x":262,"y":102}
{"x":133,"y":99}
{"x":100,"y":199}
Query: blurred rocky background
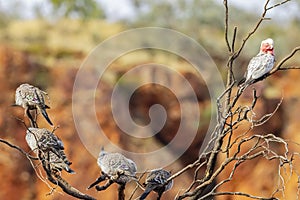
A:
{"x":44,"y":43}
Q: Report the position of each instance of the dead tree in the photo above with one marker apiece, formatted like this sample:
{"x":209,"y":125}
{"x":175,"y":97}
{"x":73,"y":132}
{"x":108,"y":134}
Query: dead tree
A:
{"x":45,"y":160}
{"x":230,"y":115}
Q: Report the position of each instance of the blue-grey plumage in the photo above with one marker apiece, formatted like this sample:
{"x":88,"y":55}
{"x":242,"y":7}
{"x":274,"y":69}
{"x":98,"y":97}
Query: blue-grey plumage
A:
{"x":31,"y":98}
{"x":156,"y":180}
{"x":52,"y":149}
{"x":117,"y":167}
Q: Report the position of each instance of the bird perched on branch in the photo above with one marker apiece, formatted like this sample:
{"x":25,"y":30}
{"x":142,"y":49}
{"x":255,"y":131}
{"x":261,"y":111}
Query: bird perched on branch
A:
{"x":156,"y":180}
{"x":32,"y":98}
{"x":261,"y":64}
{"x":116,"y":168}
{"x":49,"y":147}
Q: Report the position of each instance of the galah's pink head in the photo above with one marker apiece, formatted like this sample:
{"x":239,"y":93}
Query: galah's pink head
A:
{"x":267,"y":46}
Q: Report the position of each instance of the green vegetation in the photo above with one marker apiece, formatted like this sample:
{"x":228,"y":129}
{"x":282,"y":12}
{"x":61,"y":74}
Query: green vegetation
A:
{"x":83,"y":9}
{"x":201,"y":20}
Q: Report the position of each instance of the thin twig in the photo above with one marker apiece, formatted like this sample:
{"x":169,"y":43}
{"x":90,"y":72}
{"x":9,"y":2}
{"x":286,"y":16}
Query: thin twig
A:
{"x":243,"y":194}
{"x":226,"y":25}
{"x":18,"y":148}
{"x":262,"y":18}
{"x":285,"y":59}
{"x":234,"y":38}
{"x":137,"y":185}
{"x":278,"y":4}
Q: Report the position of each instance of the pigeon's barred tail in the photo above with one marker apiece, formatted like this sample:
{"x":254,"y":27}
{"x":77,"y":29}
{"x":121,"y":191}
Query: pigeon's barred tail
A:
{"x":58,"y":163}
{"x":148,"y":189}
{"x":98,"y":180}
{"x":69,"y":170}
{"x":44,"y":113}
{"x":63,"y":156}
{"x":144,"y":195}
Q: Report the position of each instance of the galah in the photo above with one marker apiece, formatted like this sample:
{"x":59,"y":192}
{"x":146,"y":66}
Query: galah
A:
{"x":261,"y":64}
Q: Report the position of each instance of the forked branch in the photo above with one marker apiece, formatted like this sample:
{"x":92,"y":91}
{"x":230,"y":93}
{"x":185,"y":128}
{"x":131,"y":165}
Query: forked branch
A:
{"x":229,"y":117}
{"x":56,"y":179}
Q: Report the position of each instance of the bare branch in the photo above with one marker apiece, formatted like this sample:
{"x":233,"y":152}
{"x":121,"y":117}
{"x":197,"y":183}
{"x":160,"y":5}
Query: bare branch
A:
{"x":233,"y":39}
{"x":18,"y":148}
{"x":284,"y":60}
{"x":190,"y":166}
{"x":56,"y":179}
{"x":278,"y":4}
{"x":229,"y":116}
{"x":226,"y":25}
{"x":232,"y":149}
{"x":266,"y":117}
{"x":137,"y":185}
{"x":196,"y":181}
{"x":262,"y":18}
{"x":243,"y":194}
{"x":291,"y":67}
